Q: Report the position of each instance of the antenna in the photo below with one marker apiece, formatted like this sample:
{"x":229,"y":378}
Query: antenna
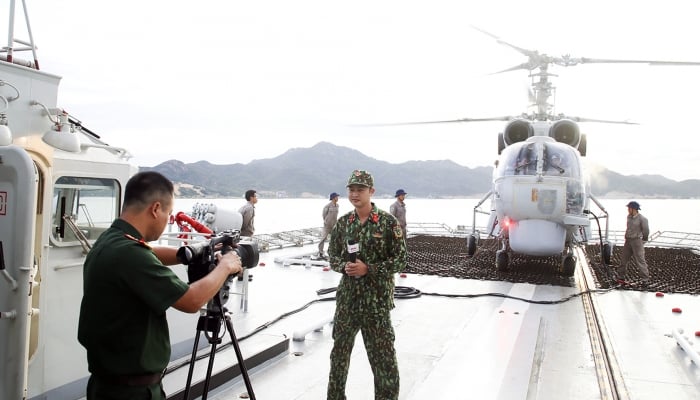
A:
{"x":10,"y":49}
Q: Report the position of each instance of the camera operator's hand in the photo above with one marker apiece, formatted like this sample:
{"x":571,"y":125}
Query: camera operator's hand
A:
{"x":231,"y":261}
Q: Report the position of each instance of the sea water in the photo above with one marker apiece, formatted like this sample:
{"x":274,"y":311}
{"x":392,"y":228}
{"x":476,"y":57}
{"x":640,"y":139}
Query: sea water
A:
{"x":277,"y":215}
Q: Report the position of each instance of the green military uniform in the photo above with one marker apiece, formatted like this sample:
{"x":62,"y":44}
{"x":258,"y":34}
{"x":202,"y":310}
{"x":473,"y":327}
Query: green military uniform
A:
{"x":126,"y":291}
{"x":364,"y":303}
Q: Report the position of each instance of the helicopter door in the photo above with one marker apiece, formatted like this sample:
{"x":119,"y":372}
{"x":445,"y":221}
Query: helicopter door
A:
{"x":18,"y":194}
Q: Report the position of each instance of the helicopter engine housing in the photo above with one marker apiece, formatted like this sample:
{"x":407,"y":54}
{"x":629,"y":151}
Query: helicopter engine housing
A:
{"x":566,"y":131}
{"x":517,"y":131}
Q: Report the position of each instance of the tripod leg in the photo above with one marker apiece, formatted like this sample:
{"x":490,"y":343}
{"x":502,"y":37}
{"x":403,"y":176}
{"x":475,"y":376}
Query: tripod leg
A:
{"x":206,"y":323}
{"x":239,"y":356}
{"x":210,"y":366}
{"x":192,"y":361}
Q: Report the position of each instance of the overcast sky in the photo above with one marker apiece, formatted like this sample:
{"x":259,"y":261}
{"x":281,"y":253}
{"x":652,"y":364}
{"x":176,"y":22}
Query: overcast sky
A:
{"x":232,"y":81}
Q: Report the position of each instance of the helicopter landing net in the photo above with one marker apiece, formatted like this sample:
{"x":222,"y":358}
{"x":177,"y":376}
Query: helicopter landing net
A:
{"x":672,"y":270}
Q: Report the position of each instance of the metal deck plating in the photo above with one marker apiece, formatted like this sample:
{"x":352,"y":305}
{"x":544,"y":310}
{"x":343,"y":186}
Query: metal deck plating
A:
{"x":493,"y":340}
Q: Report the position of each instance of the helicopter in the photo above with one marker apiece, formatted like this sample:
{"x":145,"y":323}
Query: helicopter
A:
{"x":540,"y":196}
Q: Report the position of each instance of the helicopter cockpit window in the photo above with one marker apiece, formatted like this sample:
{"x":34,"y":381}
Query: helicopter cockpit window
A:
{"x":555,"y":165}
{"x":90,"y":203}
{"x":525,"y":162}
{"x":518,"y":160}
{"x":559,"y":162}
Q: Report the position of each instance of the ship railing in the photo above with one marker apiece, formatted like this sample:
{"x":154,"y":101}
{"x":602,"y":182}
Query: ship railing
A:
{"x":294,"y":238}
{"x":429,"y":228}
{"x":88,"y":217}
{"x":667,"y":239}
{"x":302,"y":237}
{"x":441,"y":229}
{"x":266,"y":242}
{"x":175,"y":238}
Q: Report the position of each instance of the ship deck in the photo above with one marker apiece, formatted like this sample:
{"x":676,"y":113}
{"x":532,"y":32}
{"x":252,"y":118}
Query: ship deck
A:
{"x":482,"y":337}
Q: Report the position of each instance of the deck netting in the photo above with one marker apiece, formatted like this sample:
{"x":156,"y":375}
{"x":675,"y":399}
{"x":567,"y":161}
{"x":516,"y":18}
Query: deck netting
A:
{"x":672,"y":270}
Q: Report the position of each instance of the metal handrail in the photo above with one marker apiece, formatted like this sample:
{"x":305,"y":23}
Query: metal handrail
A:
{"x":671,"y":239}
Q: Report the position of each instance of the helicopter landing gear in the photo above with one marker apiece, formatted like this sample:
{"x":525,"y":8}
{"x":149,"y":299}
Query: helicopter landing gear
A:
{"x":502,"y":260}
{"x":503,"y":255}
{"x":569,"y":265}
{"x":606,"y":253}
{"x":471,"y":245}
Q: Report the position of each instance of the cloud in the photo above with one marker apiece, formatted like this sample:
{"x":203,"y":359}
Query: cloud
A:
{"x":235,"y":81}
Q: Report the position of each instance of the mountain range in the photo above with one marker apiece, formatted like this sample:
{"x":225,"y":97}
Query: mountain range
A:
{"x":325,"y":168}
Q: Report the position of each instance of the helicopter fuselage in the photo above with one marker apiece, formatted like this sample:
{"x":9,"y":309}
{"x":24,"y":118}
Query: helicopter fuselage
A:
{"x":539,"y":195}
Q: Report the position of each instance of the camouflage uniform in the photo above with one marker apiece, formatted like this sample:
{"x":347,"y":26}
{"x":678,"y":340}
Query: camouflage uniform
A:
{"x":364,"y":303}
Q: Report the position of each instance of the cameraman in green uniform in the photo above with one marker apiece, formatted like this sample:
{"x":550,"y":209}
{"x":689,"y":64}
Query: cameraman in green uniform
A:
{"x":365,"y":296}
{"x":127,"y":289}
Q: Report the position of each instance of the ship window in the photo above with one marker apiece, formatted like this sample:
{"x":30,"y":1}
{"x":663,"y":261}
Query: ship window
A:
{"x":91,"y":203}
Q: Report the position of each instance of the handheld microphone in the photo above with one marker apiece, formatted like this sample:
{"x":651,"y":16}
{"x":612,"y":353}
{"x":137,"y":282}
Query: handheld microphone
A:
{"x":353,"y":249}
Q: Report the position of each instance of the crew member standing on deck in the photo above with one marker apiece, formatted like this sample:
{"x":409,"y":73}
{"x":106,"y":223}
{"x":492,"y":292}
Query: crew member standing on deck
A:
{"x":368,"y":248}
{"x":248,"y":213}
{"x":633,"y":251}
{"x":330,"y":217}
{"x":126,"y":290}
{"x":398,"y":209}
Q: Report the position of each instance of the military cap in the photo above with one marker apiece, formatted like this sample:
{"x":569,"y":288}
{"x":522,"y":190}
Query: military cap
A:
{"x":361,"y":177}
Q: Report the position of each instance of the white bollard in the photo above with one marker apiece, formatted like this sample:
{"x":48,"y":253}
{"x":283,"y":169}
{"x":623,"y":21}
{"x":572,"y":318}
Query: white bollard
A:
{"x":299,"y":335}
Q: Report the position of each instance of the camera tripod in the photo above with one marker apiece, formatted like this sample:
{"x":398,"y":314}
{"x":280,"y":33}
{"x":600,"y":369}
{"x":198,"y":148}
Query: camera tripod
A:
{"x":211,"y":322}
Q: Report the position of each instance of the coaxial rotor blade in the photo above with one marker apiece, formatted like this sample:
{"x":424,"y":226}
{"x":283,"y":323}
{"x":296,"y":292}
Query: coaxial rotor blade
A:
{"x":529,"y":53}
{"x":526,"y":66}
{"x":650,"y":62}
{"x":537,"y":60}
{"x":449,"y":121}
{"x":605,"y":121}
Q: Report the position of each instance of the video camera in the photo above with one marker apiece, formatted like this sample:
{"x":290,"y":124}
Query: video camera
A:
{"x":200,"y":258}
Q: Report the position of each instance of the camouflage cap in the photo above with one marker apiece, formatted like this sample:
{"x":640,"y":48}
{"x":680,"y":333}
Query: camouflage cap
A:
{"x":361,"y":177}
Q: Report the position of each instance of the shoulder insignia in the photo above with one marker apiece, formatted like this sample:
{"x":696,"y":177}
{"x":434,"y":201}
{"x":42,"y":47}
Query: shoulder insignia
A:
{"x":139,"y":241}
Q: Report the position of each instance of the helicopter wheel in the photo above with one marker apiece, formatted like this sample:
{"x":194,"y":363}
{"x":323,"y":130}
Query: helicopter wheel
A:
{"x":502,"y":260}
{"x":606,"y":253}
{"x":471,"y":245}
{"x":569,"y":265}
